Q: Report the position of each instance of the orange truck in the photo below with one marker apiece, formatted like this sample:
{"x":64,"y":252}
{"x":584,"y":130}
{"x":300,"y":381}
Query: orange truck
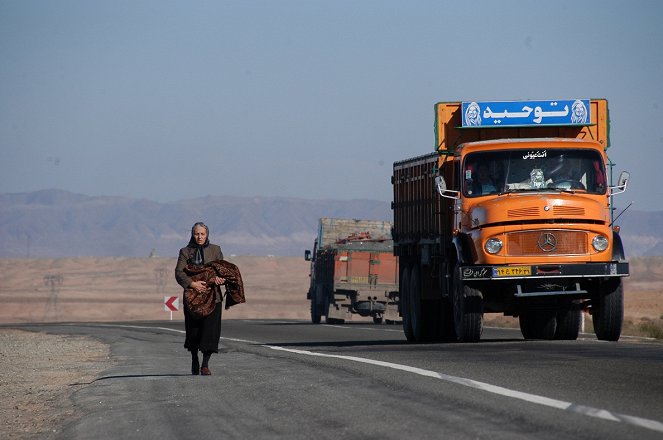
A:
{"x":512,"y":213}
{"x":353,"y":271}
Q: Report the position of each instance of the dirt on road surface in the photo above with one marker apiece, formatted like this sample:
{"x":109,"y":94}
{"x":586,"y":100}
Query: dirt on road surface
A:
{"x":38,"y":374}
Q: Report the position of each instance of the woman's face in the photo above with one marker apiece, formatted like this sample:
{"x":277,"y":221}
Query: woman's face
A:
{"x":200,"y":235}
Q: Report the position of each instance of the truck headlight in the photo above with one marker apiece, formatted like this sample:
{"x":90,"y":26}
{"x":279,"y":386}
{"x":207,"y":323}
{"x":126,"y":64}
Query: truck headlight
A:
{"x":493,"y":245}
{"x":600,"y":243}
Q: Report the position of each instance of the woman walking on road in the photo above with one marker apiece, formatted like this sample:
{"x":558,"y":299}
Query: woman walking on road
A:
{"x":202,"y":332}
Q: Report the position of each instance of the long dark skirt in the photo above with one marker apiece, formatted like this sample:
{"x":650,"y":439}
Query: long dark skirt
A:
{"x":203,"y":333}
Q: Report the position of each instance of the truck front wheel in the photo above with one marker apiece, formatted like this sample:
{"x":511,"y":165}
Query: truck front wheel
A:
{"x":467,"y":310}
{"x":316,"y":305}
{"x":608,"y":310}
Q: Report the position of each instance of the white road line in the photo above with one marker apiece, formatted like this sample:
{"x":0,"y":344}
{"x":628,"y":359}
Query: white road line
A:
{"x":653,"y":425}
{"x":588,"y":411}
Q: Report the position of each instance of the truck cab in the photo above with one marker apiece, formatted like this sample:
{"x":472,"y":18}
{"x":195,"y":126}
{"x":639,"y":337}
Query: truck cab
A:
{"x":512,"y":192}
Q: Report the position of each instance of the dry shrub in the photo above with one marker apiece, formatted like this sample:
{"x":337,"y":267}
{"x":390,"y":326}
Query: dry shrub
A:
{"x":651,"y":328}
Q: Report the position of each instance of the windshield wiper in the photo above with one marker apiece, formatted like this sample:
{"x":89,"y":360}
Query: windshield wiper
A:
{"x":565,"y":190}
{"x":519,"y":190}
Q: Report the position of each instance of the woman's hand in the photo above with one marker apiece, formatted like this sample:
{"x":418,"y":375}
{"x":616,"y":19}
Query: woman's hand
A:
{"x":219,"y":281}
{"x":199,"y":286}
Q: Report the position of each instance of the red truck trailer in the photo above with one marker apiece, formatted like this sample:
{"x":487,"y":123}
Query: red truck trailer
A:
{"x":511,"y":213}
{"x":353,"y":271}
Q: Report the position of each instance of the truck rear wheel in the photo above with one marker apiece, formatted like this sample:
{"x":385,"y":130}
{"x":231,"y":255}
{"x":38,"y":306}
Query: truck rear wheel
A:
{"x":416,"y":318}
{"x":431,"y":320}
{"x":608,"y":310}
{"x":446,"y":330}
{"x":467,"y":310}
{"x":405,"y":303}
{"x":568,"y":324}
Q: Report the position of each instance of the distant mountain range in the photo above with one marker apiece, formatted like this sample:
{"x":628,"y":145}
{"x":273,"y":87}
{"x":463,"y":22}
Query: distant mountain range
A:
{"x":54,"y":223}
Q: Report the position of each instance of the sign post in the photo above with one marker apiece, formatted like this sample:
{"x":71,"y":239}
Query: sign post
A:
{"x":171,"y":304}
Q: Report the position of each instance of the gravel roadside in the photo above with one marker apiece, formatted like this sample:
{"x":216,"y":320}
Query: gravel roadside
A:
{"x":39,"y":372}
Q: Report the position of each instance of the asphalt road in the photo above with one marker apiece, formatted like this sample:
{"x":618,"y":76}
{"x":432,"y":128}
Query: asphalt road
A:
{"x":279,"y":379}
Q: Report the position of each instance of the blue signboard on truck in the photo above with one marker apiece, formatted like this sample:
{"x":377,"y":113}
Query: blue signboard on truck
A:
{"x":525,"y":113}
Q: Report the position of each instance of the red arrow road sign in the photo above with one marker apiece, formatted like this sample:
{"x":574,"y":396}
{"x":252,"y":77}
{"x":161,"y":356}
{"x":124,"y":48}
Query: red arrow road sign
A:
{"x":171,"y":303}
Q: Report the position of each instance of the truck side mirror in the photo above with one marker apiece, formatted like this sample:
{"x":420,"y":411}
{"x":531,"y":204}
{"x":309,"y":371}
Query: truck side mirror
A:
{"x":622,"y":183}
{"x":440,"y":184}
{"x":441,"y":187}
{"x":623,"y":179}
{"x":307,"y":255}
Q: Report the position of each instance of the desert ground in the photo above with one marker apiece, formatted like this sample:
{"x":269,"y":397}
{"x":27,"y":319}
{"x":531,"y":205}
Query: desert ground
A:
{"x":126,"y":289}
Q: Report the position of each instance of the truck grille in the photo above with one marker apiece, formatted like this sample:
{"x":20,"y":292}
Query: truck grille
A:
{"x":546,"y":242}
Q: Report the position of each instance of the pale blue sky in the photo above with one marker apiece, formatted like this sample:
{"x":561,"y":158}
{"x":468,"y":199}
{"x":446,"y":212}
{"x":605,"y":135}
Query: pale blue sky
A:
{"x":168,"y":100}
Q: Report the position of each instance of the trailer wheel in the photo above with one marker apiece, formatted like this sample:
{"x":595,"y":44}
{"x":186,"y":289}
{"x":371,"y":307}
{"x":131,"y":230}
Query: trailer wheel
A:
{"x":538,"y":324}
{"x":608,"y":310}
{"x":467,"y":310}
{"x":568,"y":324}
{"x":405,"y":303}
{"x":377,"y":320}
{"x":316,"y":306}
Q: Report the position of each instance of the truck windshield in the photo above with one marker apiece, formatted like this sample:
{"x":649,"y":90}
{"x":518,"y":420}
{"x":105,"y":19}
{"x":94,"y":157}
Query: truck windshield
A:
{"x":537,"y":170}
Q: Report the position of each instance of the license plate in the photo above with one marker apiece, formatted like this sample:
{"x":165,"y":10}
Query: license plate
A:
{"x":512,"y":271}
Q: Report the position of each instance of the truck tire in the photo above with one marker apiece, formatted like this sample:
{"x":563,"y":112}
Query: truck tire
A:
{"x":431,"y":320}
{"x":316,"y":306}
{"x":405,"y":303}
{"x":437,"y":321}
{"x":568,"y":324}
{"x":414,"y":303}
{"x":538,"y":324}
{"x":446,"y":330}
{"x":608,"y":310}
{"x":467,"y":310}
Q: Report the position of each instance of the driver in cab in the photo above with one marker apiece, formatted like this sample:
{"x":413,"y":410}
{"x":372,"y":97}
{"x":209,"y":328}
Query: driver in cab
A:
{"x":483,"y":183}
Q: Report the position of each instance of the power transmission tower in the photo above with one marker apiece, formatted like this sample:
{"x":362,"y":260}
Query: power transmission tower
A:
{"x":160,"y":276}
{"x":53,"y":282}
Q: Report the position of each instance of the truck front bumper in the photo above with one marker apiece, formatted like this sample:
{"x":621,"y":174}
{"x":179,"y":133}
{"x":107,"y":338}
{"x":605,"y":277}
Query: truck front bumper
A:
{"x":578,"y":280}
{"x":540,"y":271}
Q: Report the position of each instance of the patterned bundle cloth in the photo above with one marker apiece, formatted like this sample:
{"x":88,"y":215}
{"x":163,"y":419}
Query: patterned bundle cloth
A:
{"x":202,"y":303}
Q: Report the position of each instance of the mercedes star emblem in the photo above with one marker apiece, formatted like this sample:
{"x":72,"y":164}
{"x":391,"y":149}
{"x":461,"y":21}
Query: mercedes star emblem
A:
{"x":547,"y":242}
